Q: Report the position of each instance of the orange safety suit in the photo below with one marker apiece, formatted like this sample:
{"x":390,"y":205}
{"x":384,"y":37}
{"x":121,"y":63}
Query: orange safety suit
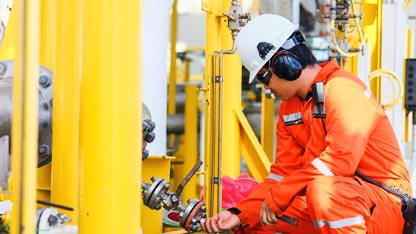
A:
{"x":312,"y":185}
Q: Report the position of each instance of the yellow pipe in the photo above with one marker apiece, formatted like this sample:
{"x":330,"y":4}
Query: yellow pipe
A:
{"x":408,"y":120}
{"x":391,"y":76}
{"x":172,"y":75}
{"x":267,"y":126}
{"x":48,"y":29}
{"x":372,"y":27}
{"x":334,"y":41}
{"x":408,"y":3}
{"x":191,"y":142}
{"x":110,"y":117}
{"x":25,"y":117}
{"x":232,"y":70}
{"x":66,"y":107}
{"x":187,"y":69}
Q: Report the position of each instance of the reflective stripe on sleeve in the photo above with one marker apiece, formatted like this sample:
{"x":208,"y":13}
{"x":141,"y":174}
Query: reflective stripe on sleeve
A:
{"x":339,"y":223}
{"x":275,"y":177}
{"x":293,"y":119}
{"x":367,"y":93}
{"x":318,"y":164}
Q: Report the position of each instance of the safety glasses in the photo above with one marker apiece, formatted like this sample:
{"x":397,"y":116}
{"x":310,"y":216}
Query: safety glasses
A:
{"x":264,"y":77}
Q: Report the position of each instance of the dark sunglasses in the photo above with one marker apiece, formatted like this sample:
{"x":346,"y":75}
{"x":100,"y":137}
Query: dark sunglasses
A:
{"x":265,"y":77}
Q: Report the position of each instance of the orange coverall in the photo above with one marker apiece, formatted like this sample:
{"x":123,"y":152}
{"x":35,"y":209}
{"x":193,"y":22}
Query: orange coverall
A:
{"x":312,"y":184}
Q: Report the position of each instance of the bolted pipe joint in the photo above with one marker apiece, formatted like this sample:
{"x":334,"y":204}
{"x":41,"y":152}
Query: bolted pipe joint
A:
{"x":45,"y":107}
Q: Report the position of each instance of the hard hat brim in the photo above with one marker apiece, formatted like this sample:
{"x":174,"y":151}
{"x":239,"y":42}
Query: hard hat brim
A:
{"x":253,"y":75}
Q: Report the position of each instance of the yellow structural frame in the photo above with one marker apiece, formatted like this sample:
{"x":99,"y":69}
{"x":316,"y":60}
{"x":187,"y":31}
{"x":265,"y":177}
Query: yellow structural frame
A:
{"x":268,"y":127}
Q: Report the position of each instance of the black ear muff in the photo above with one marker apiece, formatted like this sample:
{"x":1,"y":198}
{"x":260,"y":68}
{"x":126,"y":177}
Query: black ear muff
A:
{"x":286,"y":66}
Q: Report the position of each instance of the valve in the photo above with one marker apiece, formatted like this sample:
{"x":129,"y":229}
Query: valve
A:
{"x":49,"y":220}
{"x":344,"y":17}
{"x":157,"y":194}
{"x":147,"y":131}
{"x":236,"y":19}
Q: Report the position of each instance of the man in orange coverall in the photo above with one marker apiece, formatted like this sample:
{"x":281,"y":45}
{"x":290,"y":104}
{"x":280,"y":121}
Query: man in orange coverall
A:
{"x":330,"y":129}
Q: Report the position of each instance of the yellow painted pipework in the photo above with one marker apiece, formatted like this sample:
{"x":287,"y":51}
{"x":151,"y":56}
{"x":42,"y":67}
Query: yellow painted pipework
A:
{"x":268,"y":126}
{"x":25,"y":116}
{"x":408,"y":3}
{"x":110,"y":117}
{"x":408,"y":118}
{"x":173,"y":69}
{"x":231,"y":100}
{"x":372,"y":27}
{"x":172,"y":74}
{"x":191,"y":142}
{"x":66,"y":107}
{"x":48,"y":27}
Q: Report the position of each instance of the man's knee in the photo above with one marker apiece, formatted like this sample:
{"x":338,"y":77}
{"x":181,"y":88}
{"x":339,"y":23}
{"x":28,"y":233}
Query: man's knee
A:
{"x":321,"y":191}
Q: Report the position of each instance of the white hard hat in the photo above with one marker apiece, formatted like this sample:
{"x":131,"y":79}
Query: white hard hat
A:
{"x":259,"y":40}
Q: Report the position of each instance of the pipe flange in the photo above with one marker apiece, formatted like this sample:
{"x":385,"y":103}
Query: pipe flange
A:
{"x":45,"y":108}
{"x":194,"y":213}
{"x":155,"y":193}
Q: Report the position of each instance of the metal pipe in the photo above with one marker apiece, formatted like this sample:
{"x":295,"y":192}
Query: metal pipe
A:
{"x":6,"y":106}
{"x":220,"y":122}
{"x":44,"y":107}
{"x":213,"y":130}
{"x":4,"y":163}
{"x":234,"y":25}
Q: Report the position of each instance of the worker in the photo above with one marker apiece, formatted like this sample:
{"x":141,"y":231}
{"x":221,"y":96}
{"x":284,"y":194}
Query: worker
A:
{"x":330,"y":129}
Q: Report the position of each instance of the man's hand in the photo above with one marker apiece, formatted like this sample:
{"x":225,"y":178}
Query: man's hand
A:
{"x":267,"y":216}
{"x":223,"y":221}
